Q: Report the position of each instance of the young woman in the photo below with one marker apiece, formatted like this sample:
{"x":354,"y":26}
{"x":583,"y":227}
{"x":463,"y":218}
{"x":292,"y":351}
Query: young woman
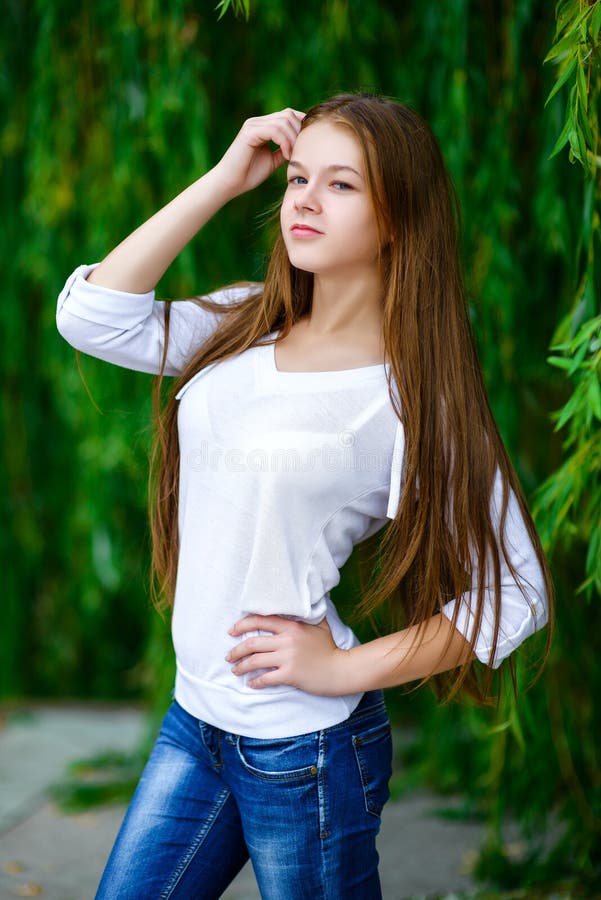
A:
{"x":341,"y":396}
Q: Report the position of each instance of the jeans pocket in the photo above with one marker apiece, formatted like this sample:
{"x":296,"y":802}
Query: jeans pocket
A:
{"x":279,"y":759}
{"x":373,"y":753}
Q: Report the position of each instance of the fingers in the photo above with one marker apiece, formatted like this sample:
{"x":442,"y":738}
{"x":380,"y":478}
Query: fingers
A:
{"x":282,"y":128}
{"x":254,"y":662}
{"x":249,"y":159}
{"x":266,"y":679}
{"x":252,"y":645}
{"x":257,"y":622}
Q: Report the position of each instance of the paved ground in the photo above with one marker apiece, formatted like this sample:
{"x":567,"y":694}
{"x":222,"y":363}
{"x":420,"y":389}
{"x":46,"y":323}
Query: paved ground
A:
{"x":46,"y":853}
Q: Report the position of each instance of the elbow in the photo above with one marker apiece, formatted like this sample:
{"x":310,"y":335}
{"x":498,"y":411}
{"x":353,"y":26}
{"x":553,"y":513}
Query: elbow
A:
{"x":69,"y":328}
{"x":63,"y":325}
{"x":533,"y":619}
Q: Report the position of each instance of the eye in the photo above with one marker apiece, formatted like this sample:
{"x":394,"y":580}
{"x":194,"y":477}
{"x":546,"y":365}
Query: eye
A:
{"x":343,"y":186}
{"x":296,"y":179}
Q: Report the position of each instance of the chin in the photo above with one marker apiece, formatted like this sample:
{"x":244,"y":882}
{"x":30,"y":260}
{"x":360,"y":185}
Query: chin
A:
{"x":303,"y":262}
{"x":304,"y":267}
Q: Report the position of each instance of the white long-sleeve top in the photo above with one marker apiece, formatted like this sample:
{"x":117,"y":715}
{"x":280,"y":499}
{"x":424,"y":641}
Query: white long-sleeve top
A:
{"x":281,"y":475}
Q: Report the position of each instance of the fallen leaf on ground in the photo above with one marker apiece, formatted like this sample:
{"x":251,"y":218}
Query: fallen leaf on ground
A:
{"x":13,"y":867}
{"x":29,"y":889}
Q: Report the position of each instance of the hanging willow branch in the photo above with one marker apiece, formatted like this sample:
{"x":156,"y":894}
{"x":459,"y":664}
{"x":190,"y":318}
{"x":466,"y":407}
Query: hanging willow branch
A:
{"x":569,"y":501}
{"x":576,"y":49}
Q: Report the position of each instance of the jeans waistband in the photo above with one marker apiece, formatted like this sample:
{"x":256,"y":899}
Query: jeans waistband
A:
{"x":369,"y":699}
{"x":371,"y":702}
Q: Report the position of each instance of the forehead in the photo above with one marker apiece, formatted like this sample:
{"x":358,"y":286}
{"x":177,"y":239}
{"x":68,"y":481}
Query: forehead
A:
{"x":327,"y":143}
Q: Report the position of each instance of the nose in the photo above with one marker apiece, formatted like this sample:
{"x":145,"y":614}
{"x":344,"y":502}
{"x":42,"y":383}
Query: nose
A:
{"x":305,"y":197}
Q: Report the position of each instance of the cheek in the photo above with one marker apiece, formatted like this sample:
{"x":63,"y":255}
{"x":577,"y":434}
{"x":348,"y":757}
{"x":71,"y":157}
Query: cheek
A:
{"x":287,"y":203}
{"x":287,"y":214}
{"x":284,"y":218}
{"x":284,"y":215}
{"x":361,"y":232}
{"x":370,"y":229}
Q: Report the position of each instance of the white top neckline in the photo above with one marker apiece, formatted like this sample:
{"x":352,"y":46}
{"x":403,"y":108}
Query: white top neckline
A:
{"x":359,"y":372}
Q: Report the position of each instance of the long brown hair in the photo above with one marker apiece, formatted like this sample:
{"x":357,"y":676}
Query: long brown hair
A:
{"x":442,"y":532}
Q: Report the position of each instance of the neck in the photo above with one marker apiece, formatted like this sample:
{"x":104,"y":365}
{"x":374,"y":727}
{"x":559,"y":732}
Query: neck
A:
{"x":344,"y":307}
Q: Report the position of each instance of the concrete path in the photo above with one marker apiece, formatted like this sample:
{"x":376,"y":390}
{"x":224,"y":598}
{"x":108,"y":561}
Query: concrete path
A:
{"x":46,"y":853}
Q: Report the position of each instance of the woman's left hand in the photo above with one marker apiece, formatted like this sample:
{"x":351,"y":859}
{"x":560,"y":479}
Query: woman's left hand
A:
{"x":301,"y":655}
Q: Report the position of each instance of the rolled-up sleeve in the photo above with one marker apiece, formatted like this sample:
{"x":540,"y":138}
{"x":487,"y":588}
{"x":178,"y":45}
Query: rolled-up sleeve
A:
{"x":129,"y":329}
{"x":524,"y":605}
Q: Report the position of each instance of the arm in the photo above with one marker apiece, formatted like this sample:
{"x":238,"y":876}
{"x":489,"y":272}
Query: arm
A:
{"x":129,"y":329}
{"x":139,"y":261}
{"x":524,"y":604}
{"x":305,"y":656}
{"x":109,"y":310}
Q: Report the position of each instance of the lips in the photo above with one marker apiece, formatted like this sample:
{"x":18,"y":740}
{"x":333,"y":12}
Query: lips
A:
{"x":301,"y":230}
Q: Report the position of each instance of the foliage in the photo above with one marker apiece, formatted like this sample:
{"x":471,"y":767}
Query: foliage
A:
{"x":113,"y":109}
{"x":239,"y":6}
{"x":569,"y":501}
{"x":107,"y":778}
{"x":575,"y":48}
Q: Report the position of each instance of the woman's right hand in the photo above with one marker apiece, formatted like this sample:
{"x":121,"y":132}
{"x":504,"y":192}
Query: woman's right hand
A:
{"x":249,"y":160}
{"x":141,"y":259}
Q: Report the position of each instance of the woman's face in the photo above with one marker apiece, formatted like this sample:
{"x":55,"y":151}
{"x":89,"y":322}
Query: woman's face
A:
{"x":327,"y":216}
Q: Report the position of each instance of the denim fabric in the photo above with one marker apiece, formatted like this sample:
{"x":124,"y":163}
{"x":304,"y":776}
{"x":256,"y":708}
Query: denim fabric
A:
{"x":306,"y":810}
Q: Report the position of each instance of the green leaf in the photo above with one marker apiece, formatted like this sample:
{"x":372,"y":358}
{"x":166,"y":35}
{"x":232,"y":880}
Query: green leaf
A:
{"x":588,"y":213}
{"x":569,"y":21}
{"x":582,"y":88}
{"x":568,"y":42}
{"x":594,"y":397}
{"x":582,"y":149}
{"x":239,"y":6}
{"x":575,"y":146}
{"x":578,"y":358}
{"x":596,"y":21}
{"x":560,"y":362}
{"x":567,"y":412}
{"x":565,"y":74}
{"x":586,"y":129}
{"x":223,"y":6}
{"x":580,"y":17}
{"x":578,"y":145}
{"x":566,"y":345}
{"x":591,"y":327}
{"x":563,"y":137}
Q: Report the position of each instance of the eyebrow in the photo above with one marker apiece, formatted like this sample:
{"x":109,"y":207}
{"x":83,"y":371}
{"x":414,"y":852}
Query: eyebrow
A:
{"x":333,"y":168}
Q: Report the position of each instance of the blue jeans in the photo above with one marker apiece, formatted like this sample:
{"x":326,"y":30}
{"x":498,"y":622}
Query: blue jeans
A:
{"x":305,"y":809}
